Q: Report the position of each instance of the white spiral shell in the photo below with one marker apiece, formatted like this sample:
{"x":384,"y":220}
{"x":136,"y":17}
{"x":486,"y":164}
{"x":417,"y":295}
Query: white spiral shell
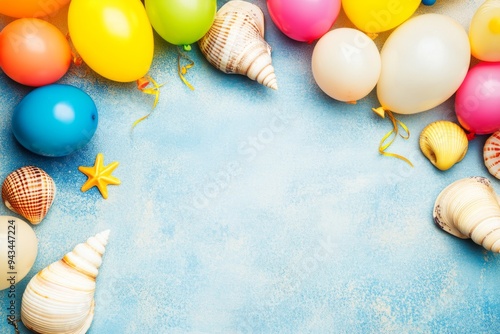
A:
{"x":235,"y":43}
{"x":60,"y":298}
{"x":469,"y":208}
{"x":491,"y":154}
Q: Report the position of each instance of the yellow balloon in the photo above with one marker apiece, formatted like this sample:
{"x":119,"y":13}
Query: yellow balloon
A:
{"x":114,"y":37}
{"x":484,"y":32}
{"x":374,"y":16}
{"x":30,"y":8}
{"x":19,"y":247}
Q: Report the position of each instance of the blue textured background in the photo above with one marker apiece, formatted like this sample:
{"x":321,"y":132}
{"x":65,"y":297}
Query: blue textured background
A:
{"x":247,"y":210}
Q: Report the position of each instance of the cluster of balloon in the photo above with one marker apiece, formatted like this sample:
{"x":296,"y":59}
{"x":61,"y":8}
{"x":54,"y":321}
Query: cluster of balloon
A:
{"x":52,"y":120}
{"x":304,"y":20}
{"x":181,"y":22}
{"x":477,"y":102}
{"x":113,"y":37}
{"x":33,"y":52}
{"x":30,"y":8}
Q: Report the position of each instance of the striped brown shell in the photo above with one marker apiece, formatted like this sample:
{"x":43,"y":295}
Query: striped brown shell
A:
{"x":235,"y":43}
{"x":29,"y":191}
{"x":491,"y":154}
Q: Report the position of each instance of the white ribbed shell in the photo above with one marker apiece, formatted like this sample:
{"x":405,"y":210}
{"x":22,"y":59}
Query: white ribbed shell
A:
{"x":469,"y":208}
{"x":60,"y":298}
{"x":235,"y":43}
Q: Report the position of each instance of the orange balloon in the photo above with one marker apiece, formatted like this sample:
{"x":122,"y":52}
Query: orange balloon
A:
{"x":34,"y":52}
{"x":31,"y":8}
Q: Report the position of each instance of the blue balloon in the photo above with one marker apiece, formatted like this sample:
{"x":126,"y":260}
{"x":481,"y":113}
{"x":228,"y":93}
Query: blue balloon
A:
{"x":428,"y":2}
{"x":55,"y":120}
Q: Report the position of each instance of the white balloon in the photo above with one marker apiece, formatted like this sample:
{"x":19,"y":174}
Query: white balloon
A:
{"x":424,"y":61}
{"x":18,"y":250}
{"x":346,"y":64}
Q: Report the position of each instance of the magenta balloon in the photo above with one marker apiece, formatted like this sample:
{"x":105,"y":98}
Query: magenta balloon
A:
{"x":477,"y":102}
{"x":304,"y":20}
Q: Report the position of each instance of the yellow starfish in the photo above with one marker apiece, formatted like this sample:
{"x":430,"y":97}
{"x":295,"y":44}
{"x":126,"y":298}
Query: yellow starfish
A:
{"x":99,"y":175}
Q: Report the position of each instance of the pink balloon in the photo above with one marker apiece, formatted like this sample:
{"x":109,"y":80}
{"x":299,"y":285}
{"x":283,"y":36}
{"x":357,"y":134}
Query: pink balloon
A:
{"x":477,"y":102}
{"x":304,"y":20}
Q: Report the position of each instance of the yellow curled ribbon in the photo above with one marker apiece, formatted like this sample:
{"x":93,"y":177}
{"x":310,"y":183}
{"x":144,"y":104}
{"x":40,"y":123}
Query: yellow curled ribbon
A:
{"x":390,"y":136}
{"x":182,"y":70}
{"x":142,"y":85}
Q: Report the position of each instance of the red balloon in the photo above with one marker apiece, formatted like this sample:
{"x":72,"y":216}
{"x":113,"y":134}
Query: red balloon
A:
{"x":34,"y":52}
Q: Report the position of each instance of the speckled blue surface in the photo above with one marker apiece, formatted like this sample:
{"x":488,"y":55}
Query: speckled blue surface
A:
{"x":247,"y":210}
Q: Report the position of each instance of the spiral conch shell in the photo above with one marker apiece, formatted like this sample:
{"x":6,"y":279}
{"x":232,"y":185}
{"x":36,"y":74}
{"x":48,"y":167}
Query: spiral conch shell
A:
{"x":29,"y":191}
{"x":60,"y":298}
{"x":444,"y":143}
{"x":469,"y":208}
{"x":491,"y":154}
{"x":235,"y":43}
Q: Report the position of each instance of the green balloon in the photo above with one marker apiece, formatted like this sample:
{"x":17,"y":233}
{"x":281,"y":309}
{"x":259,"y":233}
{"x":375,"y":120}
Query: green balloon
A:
{"x":181,"y":22}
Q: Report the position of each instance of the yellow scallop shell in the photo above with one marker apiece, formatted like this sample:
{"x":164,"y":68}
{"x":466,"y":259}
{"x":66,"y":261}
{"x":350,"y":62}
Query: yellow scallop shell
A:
{"x":444,"y":143}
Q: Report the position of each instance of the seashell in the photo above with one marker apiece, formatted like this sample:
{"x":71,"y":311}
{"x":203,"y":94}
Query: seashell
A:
{"x":29,"y":191}
{"x":468,"y":208}
{"x":444,"y":143}
{"x":491,"y":154}
{"x":235,"y":43}
{"x":60,"y":298}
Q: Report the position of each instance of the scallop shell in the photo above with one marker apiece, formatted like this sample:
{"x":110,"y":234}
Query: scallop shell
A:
{"x":29,"y":191}
{"x":60,"y":298}
{"x":444,"y":143}
{"x":235,"y":43}
{"x":491,"y":154}
{"x":469,"y":208}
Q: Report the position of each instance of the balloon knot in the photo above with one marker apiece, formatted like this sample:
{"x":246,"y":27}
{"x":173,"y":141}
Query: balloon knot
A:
{"x":351,"y":102}
{"x":187,"y":47}
{"x":372,"y":35}
{"x":470,"y":136}
{"x":379,"y":111}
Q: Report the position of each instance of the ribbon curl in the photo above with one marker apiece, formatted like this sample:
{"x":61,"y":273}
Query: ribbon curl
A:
{"x":390,"y":136}
{"x":182,"y":70}
{"x":142,"y":85}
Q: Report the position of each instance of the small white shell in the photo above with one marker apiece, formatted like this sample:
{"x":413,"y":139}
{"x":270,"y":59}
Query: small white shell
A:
{"x":468,"y":208}
{"x":491,"y":154}
{"x":444,"y":143}
{"x":29,"y":191}
{"x":60,"y":298}
{"x":235,"y":43}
